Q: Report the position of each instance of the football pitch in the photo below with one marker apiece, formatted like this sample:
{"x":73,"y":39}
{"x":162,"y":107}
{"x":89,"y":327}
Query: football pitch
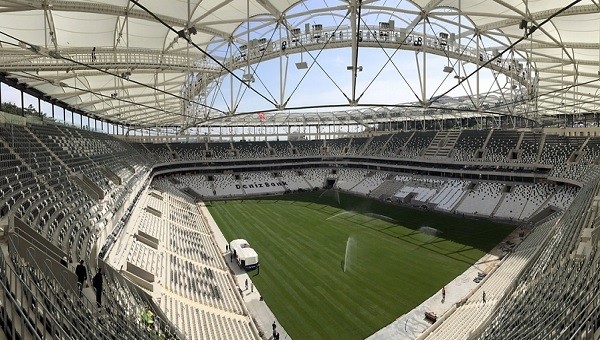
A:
{"x":338,"y":266}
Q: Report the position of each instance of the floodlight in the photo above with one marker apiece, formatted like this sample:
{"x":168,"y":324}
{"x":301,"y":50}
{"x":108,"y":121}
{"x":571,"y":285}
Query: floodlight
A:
{"x":448,"y":69}
{"x":301,"y":65}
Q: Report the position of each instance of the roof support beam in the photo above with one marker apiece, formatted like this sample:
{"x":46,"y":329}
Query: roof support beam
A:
{"x":354,"y":24}
{"x":100,"y":8}
{"x":538,"y":16}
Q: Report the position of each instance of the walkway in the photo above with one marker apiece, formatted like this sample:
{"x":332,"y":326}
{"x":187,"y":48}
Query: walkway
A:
{"x":413,"y":324}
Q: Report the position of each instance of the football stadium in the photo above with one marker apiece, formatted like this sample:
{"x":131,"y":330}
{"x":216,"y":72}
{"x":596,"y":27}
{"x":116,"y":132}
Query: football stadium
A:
{"x":276,"y":169}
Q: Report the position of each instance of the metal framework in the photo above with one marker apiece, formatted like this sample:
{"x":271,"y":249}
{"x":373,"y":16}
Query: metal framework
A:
{"x":236,"y":63}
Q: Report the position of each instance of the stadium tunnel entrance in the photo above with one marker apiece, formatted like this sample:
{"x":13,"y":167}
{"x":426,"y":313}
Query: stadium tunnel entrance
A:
{"x":329,"y":183}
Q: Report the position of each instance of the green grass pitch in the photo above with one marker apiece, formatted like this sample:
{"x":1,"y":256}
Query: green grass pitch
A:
{"x":338,"y":266}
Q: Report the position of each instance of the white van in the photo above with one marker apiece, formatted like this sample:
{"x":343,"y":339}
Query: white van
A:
{"x":246,"y":257}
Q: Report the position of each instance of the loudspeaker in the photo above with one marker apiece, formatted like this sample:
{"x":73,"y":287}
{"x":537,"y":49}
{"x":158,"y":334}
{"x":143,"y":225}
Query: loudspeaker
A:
{"x":523,"y":24}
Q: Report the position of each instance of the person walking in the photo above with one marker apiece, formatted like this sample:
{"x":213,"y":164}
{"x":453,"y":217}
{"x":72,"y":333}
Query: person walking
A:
{"x":484,"y":296}
{"x":97,"y":284}
{"x":94,"y":54}
{"x":443,"y":294}
{"x":81,"y":273}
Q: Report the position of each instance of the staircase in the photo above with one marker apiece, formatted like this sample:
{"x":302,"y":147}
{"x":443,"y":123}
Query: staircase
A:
{"x":174,"y":155}
{"x":487,"y":139}
{"x":442,"y":144}
{"x":576,"y":156}
{"x":541,"y":148}
{"x":518,"y":146}
{"x":361,"y":151}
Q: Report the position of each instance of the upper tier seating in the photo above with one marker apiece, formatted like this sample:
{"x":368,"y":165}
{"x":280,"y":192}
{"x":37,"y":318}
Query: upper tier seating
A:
{"x":220,"y":150}
{"x":417,"y":144}
{"x":308,"y":148}
{"x":529,"y":147}
{"x":281,"y":148}
{"x":189,"y":151}
{"x":159,"y":152}
{"x":356,"y":145}
{"x":558,"y":149}
{"x":375,"y":146}
{"x":338,"y":146}
{"x":591,"y":152}
{"x":468,"y":143}
{"x":500,"y":144}
{"x":252,"y":149}
{"x":395,"y":143}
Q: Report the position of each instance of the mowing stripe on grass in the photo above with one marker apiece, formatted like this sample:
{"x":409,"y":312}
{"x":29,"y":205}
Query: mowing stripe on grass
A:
{"x":392,"y":267}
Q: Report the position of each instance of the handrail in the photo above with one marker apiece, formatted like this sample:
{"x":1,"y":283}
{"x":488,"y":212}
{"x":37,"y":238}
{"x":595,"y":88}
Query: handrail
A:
{"x":122,"y":286}
{"x":22,"y":60}
{"x":89,"y":306}
{"x":40,"y":291}
{"x":15,"y":304}
{"x":263,"y":49}
{"x":545,"y":245}
{"x":19,"y":280}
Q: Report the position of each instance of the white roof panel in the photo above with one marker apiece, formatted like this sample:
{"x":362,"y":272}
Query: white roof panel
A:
{"x":78,"y":29}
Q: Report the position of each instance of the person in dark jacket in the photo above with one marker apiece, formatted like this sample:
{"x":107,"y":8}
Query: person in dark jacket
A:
{"x":81,"y":273}
{"x":97,"y":284}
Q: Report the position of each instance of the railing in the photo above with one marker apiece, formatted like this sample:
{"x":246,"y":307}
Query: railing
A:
{"x":33,"y":277}
{"x":40,"y":308}
{"x":15,"y":320}
{"x":372,"y":36}
{"x":547,"y":254}
{"x":29,"y":305}
{"x":21,"y":60}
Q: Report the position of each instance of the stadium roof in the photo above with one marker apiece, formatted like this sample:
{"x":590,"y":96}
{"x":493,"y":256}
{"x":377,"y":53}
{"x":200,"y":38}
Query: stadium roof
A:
{"x":188,"y":63}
